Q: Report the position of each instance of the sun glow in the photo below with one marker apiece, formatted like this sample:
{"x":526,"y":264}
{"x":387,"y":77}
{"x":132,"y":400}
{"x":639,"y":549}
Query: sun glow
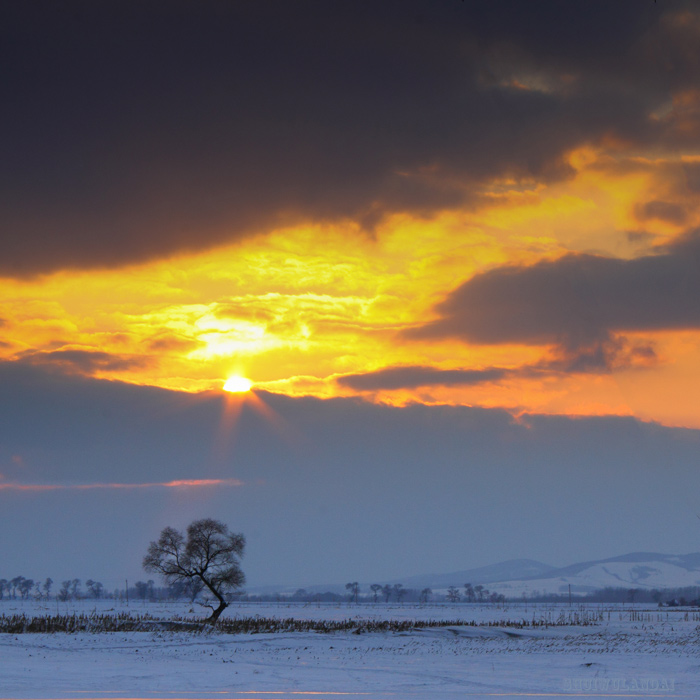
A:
{"x":237,"y":384}
{"x":303,"y":305}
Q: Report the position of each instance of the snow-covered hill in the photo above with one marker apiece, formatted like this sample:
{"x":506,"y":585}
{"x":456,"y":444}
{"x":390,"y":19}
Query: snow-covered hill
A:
{"x":645,"y":570}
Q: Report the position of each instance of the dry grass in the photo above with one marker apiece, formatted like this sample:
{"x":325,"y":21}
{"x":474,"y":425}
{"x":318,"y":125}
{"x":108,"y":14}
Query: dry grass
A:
{"x":128,"y":622}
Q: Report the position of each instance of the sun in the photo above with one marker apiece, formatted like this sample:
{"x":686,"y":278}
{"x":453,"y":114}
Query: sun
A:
{"x":237,"y":384}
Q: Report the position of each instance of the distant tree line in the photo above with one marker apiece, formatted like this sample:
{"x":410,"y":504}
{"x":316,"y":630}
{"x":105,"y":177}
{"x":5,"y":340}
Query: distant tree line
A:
{"x":385,"y":593}
{"x":25,"y":588}
{"x":21,"y":588}
{"x":687,"y":595}
{"x":477,"y":594}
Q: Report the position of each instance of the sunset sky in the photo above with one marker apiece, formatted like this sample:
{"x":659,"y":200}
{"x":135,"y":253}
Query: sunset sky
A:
{"x":453,"y":245}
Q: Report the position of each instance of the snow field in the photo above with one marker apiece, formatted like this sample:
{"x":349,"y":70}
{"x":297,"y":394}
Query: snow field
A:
{"x":634,"y":652}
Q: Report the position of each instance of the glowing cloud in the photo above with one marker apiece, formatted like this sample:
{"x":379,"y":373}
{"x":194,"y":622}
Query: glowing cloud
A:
{"x":178,"y":483}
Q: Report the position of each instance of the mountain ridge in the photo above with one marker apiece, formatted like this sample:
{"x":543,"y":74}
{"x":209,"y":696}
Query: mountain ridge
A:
{"x":635,"y":570}
{"x":517,"y":577}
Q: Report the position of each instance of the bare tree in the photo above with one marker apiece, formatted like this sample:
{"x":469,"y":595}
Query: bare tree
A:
{"x":469,"y":592}
{"x":141,"y":590}
{"x":14,"y":584}
{"x":425,"y":594}
{"x":64,"y":593}
{"x":25,"y":586}
{"x":399,"y":591}
{"x":375,"y":588}
{"x":95,"y":588}
{"x":354,"y":589}
{"x":453,"y":594}
{"x":47,"y":587}
{"x":387,"y":590}
{"x":210,"y":554}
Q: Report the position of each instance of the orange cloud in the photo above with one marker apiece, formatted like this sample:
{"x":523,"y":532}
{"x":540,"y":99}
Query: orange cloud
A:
{"x":304,"y":305}
{"x":179,"y":483}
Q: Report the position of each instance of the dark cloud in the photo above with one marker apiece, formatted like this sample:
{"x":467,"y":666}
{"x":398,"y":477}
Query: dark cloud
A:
{"x":602,"y":356}
{"x":641,"y":237}
{"x":135,"y":129}
{"x":599,"y":356}
{"x":83,"y":361}
{"x":665,"y":211}
{"x":692,"y":174}
{"x":348,"y":488}
{"x":416,"y":376}
{"x":576,"y":302}
{"x":3,"y":343}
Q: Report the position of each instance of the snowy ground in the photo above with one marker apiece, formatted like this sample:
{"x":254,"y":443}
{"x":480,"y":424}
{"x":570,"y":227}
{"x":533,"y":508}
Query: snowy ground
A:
{"x":644,"y":654}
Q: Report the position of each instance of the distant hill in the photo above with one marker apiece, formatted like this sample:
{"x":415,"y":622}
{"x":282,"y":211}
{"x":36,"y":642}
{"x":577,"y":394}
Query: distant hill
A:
{"x":643,"y":570}
{"x":513,"y":569}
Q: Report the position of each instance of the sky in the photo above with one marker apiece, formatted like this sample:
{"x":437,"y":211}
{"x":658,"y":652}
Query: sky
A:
{"x":453,"y":246}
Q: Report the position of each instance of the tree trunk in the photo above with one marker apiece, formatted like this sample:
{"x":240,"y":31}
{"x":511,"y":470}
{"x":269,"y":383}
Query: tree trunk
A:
{"x":222,"y":603}
{"x":215,"y":614}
